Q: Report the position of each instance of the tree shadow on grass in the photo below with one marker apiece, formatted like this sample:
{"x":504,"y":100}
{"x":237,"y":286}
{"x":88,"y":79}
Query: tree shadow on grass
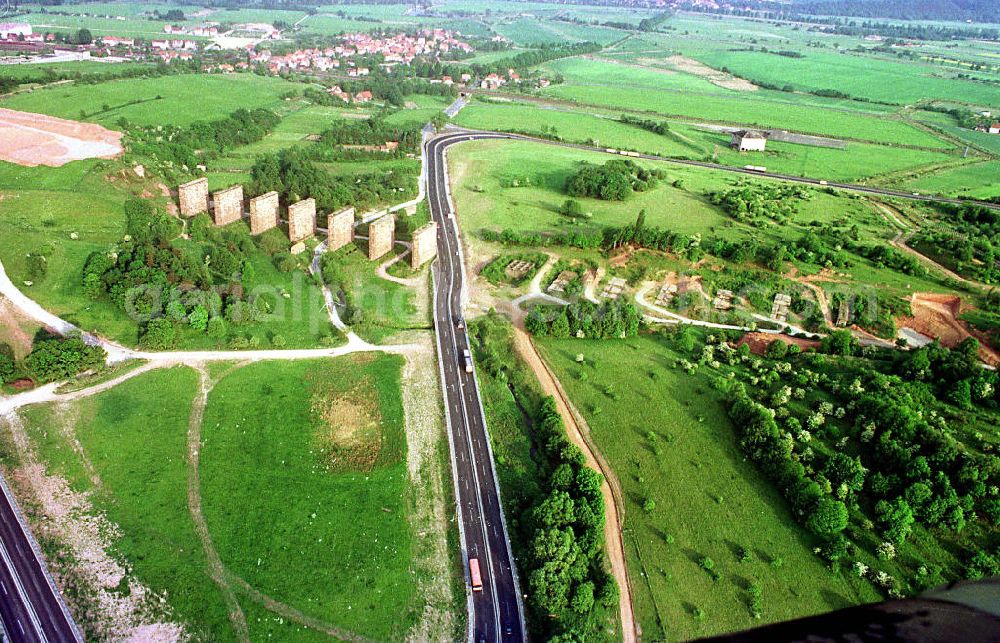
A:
{"x":834,"y":600}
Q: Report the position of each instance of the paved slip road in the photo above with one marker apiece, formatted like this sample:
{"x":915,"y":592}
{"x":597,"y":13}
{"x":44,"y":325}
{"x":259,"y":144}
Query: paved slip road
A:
{"x":30,"y":606}
{"x":497,"y":613}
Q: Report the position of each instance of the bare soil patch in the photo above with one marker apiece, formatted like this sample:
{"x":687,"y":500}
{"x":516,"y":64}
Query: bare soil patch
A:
{"x":429,"y":472}
{"x":36,"y":139}
{"x":349,"y":428}
{"x":714,"y":76}
{"x":16,"y":329}
{"x":936,"y":315}
{"x":758,"y":342}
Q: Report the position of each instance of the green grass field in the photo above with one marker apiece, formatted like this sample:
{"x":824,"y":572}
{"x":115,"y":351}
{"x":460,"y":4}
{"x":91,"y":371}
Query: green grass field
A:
{"x":383,"y":307}
{"x":858,"y":162}
{"x":862,"y":76}
{"x":40,"y":70}
{"x":303,"y":483}
{"x":483,"y":172}
{"x":980,"y":181}
{"x":684,"y":95}
{"x":36,"y":218}
{"x":291,"y":510}
{"x":668,"y":439}
{"x":174,"y":100}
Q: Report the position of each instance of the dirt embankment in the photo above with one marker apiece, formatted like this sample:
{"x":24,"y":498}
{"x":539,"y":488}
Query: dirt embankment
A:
{"x":579,"y":433}
{"x":937,"y":316}
{"x":758,"y":342}
{"x":35,"y":139}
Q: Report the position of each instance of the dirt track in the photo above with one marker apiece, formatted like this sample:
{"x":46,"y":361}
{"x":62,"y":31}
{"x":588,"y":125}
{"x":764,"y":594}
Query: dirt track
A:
{"x":611,"y":490}
{"x":36,"y":139}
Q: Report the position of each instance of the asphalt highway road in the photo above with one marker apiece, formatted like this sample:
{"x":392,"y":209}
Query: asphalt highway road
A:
{"x":497,"y":611}
{"x":30,"y":606}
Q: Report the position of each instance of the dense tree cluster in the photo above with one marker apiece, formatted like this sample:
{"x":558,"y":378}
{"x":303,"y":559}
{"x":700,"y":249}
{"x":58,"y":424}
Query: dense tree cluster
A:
{"x":613,"y":181}
{"x":51,"y":358}
{"x":373,"y":131}
{"x":651,"y":23}
{"x":865,"y":444}
{"x":293,"y":174}
{"x":614,"y":319}
{"x":162,"y":284}
{"x":752,"y":202}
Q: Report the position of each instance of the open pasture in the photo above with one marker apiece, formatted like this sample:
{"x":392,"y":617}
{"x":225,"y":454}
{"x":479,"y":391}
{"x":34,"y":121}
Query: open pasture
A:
{"x":689,"y":495}
{"x":861,"y":76}
{"x":173,"y":100}
{"x":306,"y":492}
{"x":685,"y":96}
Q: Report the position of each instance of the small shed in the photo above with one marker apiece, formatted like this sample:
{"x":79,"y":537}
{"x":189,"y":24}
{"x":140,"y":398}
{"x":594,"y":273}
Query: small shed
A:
{"x":749,"y":141}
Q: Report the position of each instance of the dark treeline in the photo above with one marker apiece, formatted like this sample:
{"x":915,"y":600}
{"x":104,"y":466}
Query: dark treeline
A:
{"x":873,"y":13}
{"x":657,"y":127}
{"x":49,"y":75}
{"x":534,"y":57}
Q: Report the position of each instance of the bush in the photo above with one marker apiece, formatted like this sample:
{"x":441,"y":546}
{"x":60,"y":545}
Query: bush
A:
{"x":828,"y":517}
{"x":160,"y":334}
{"x":7,"y":363}
{"x":216,"y":328}
{"x":273,"y":241}
{"x":57,"y":358}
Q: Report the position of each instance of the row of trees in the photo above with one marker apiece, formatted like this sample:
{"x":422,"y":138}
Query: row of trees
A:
{"x":657,"y":127}
{"x":614,"y":319}
{"x":555,"y":504}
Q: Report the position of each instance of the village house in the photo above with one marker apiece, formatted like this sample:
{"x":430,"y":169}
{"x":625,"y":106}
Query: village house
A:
{"x":492,"y":81}
{"x":116,"y":41}
{"x":994,"y":128}
{"x":14,"y":29}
